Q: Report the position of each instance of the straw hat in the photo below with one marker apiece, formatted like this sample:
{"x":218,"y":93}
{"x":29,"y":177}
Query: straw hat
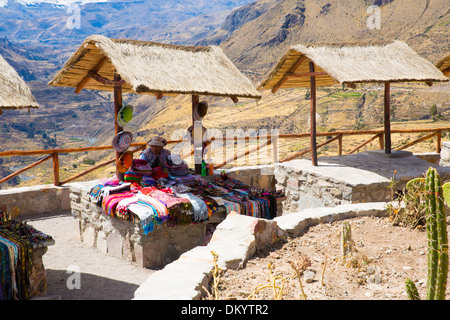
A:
{"x":124,"y":115}
{"x":122,"y":141}
{"x":124,"y":162}
{"x":158,"y":141}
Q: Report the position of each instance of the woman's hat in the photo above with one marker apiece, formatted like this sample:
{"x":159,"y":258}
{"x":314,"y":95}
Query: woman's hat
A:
{"x":124,"y":162}
{"x":124,"y":115}
{"x":122,"y":141}
{"x":158,"y":141}
{"x":200,"y":110}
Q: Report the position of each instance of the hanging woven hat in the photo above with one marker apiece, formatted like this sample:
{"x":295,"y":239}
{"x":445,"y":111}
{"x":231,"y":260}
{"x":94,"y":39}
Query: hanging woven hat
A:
{"x":122,"y":141}
{"x":124,"y":162}
{"x":124,"y":115}
{"x":200,"y":110}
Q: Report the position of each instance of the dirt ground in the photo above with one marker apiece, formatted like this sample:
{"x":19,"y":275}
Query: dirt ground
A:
{"x":384,"y":256}
{"x":75,"y":272}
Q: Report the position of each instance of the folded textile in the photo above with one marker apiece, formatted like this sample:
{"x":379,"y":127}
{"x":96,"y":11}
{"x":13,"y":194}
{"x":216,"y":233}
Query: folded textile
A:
{"x":131,"y":176}
{"x":100,"y":191}
{"x":148,"y":181}
{"x":168,"y":199}
{"x":146,"y":214}
{"x":142,"y":167}
{"x":199,"y":206}
{"x":161,"y":210}
{"x":110,"y":202}
{"x":122,"y":207}
{"x":175,"y":170}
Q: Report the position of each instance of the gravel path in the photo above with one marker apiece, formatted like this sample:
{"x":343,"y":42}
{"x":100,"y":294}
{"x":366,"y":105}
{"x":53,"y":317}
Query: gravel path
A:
{"x":75,"y":272}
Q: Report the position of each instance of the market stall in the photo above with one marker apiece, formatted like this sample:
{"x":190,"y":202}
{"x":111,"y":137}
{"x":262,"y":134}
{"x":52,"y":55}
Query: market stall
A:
{"x":22,"y":272}
{"x":145,"y":67}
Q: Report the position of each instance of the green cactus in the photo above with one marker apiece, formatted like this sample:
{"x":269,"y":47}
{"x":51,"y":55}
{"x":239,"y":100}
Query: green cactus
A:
{"x":346,"y":240}
{"x":436,"y":225}
{"x":411,"y":290}
{"x":437,"y":237}
{"x":442,"y":243}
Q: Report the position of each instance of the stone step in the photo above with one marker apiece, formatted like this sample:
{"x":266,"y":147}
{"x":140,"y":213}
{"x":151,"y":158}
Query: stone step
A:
{"x":235,"y":241}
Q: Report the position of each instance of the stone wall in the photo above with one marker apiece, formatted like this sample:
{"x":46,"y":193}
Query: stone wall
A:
{"x":357,"y":178}
{"x":259,"y":176}
{"x":305,"y":189}
{"x":35,"y":199}
{"x":126,"y":240}
{"x":445,"y":154}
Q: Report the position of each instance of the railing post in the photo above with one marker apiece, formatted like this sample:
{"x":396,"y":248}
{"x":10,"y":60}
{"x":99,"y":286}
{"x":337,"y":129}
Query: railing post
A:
{"x":438,"y":141}
{"x":381,"y":140}
{"x":56,"y":169}
{"x":340,"y":145}
{"x":274,"y":140}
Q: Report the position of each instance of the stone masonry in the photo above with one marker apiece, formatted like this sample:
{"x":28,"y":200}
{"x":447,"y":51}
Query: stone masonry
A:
{"x":124,"y":239}
{"x":358,"y":178}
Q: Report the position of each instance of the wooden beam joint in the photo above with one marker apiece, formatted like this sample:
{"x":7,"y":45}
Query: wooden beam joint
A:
{"x":96,"y":69}
{"x":94,"y":75}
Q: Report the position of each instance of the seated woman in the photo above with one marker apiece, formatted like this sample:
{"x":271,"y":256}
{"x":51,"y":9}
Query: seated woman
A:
{"x":156,"y":155}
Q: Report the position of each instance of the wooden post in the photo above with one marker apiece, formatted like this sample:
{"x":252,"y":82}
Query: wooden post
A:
{"x":117,"y":107}
{"x":195,"y":101}
{"x":340,"y":145}
{"x":381,"y":140}
{"x":56,"y":169}
{"x":313,"y":116}
{"x":438,"y":141}
{"x":387,"y":118}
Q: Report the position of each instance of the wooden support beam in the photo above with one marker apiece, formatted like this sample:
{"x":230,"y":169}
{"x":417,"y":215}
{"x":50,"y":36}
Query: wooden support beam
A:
{"x":312,"y":118}
{"x":293,"y":68}
{"x":306,"y":74}
{"x":446,"y":72}
{"x":117,"y":107}
{"x":195,"y":101}
{"x":96,"y":69}
{"x":387,"y":118}
{"x":234,"y":98}
{"x":103,"y":80}
{"x":56,"y":169}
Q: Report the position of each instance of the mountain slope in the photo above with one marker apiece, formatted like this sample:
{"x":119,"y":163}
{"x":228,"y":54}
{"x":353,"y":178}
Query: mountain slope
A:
{"x":258,"y":44}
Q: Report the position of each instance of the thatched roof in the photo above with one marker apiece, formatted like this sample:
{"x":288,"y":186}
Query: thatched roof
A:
{"x":14,"y":92}
{"x":443,"y":64}
{"x":348,"y":63}
{"x":150,"y":67}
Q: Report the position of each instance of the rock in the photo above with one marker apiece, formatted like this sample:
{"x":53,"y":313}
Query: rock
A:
{"x":309,"y":275}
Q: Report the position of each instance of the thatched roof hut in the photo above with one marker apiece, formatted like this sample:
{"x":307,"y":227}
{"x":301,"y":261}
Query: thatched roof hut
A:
{"x":443,"y":64}
{"x":324,"y":64}
{"x":154,"y":68}
{"x":14,"y":92}
{"x":349,"y":63}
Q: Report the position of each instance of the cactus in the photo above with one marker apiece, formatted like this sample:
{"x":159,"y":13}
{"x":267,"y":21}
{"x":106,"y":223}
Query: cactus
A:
{"x":411,"y":290}
{"x":346,"y":240}
{"x":436,"y":226}
{"x":437,"y":238}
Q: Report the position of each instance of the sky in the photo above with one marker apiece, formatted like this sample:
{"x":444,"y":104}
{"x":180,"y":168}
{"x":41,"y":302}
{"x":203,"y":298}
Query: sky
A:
{"x":57,"y":2}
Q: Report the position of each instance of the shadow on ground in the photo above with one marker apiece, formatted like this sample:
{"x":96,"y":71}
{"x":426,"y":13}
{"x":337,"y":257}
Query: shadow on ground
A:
{"x":91,"y":287}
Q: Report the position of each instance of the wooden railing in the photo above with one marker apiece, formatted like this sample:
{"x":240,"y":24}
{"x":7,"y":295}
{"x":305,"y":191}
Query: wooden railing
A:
{"x":272,"y":140}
